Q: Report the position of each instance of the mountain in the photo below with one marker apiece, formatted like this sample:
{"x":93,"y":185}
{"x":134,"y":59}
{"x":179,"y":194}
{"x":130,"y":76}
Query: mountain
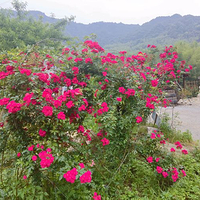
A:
{"x":106,"y":32}
{"x":159,"y":31}
{"x":166,"y":30}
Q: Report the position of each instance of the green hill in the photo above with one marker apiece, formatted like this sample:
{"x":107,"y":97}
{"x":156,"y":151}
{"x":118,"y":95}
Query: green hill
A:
{"x":118,"y":36}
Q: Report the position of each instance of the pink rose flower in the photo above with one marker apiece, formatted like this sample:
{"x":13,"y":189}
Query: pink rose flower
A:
{"x":138,"y":119}
{"x":150,"y":159}
{"x":34,"y":158}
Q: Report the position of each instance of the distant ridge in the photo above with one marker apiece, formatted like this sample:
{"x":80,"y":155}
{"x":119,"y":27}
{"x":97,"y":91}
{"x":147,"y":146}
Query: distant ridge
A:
{"x":163,"y":30}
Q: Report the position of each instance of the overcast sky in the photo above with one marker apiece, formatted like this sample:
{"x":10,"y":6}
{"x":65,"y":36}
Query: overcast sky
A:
{"x":125,"y":11}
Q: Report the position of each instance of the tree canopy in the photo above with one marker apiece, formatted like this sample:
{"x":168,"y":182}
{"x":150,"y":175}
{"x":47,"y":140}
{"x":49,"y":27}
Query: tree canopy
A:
{"x":190,"y":53}
{"x":22,"y":30}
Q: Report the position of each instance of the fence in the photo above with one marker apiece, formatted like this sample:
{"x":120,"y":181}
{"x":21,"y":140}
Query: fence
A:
{"x":192,"y":84}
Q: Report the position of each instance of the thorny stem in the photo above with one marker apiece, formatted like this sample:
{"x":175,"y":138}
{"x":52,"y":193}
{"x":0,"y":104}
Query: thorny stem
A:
{"x":118,"y":169}
{"x":123,"y":160}
{"x":53,"y":185}
{"x":2,"y":161}
{"x":37,"y":43}
{"x":17,"y":183}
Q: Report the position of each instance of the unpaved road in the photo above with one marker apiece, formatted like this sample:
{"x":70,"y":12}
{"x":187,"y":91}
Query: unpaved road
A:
{"x":188,"y":116}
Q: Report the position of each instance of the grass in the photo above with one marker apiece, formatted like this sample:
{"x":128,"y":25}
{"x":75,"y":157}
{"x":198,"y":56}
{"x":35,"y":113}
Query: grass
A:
{"x":171,"y":133}
{"x":139,"y":180}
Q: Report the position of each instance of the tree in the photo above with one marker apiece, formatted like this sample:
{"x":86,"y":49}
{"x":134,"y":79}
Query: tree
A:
{"x":190,"y":53}
{"x":20,"y":7}
{"x":15,"y":32}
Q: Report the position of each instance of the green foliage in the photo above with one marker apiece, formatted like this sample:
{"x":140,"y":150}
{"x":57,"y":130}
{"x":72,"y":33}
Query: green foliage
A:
{"x":115,"y":37}
{"x":108,"y":94}
{"x":133,"y":37}
{"x":189,"y":92}
{"x":190,"y":53}
{"x":18,"y":33}
{"x":187,"y":188}
{"x":20,"y":7}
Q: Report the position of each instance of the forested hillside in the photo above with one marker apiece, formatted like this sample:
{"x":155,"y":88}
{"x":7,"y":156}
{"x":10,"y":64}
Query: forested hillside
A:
{"x":35,"y":26}
{"x":116,"y":36}
{"x":159,"y":31}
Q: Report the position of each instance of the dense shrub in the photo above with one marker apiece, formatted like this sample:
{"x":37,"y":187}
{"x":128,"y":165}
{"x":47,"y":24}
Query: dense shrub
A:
{"x":70,"y":122}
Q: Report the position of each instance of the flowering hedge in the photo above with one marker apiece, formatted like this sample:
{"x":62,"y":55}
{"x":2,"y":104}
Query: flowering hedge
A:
{"x":72,"y":117}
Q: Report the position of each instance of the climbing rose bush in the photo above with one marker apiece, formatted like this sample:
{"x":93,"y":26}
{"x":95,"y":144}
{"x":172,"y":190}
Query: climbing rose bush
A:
{"x":82,"y":105}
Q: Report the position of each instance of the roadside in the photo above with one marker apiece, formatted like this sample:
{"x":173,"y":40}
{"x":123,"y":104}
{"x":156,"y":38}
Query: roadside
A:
{"x":185,"y":116}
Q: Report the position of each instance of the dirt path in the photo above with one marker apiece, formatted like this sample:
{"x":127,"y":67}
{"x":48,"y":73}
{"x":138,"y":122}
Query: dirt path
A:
{"x":186,"y":116}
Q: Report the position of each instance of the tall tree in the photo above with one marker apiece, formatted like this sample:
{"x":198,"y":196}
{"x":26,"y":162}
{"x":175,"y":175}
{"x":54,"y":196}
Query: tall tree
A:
{"x":20,"y":7}
{"x":15,"y":32}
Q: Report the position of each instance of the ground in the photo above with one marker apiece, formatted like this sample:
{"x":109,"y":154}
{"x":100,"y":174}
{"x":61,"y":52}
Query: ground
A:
{"x":185,"y":116}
